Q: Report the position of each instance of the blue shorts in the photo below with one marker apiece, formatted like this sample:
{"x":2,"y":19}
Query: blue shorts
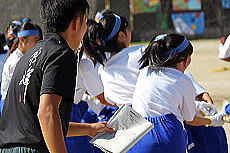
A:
{"x":1,"y":106}
{"x":167,"y":136}
{"x":83,"y":106}
{"x":78,"y":144}
{"x":106,"y":113}
{"x":89,"y":116}
{"x":201,"y":139}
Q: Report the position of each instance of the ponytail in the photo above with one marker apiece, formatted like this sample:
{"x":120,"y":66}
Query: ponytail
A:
{"x":90,"y":41}
{"x":102,"y":37}
{"x":166,"y":51}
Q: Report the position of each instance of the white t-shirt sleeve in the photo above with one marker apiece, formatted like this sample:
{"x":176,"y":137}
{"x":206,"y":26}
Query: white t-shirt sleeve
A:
{"x":198,"y":87}
{"x":224,"y":49}
{"x":90,"y":77}
{"x":7,"y":73}
{"x":79,"y":89}
{"x":188,"y":110}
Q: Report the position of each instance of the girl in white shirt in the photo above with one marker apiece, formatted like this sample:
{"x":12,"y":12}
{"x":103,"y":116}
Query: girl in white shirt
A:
{"x":108,"y":45}
{"x":87,"y":81}
{"x":165,"y":96}
{"x":224,"y":50}
{"x":28,"y":36}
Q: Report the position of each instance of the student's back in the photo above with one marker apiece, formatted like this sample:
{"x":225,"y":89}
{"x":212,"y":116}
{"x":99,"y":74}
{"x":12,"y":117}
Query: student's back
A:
{"x":119,"y":74}
{"x":26,"y":86}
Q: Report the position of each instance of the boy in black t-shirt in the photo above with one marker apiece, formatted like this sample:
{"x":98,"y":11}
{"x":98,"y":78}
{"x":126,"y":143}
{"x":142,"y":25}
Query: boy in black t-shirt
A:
{"x":39,"y":100}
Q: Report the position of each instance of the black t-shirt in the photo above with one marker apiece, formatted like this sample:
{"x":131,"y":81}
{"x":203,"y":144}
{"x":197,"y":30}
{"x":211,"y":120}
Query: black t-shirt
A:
{"x":47,"y":68}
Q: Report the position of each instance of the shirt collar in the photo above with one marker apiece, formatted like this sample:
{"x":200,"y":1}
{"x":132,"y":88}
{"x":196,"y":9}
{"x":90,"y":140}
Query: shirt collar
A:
{"x":55,"y":36}
{"x":18,"y":52}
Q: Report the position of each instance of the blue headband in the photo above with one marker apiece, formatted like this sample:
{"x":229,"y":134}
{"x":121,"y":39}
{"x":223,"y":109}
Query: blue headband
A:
{"x":179,"y":48}
{"x":24,"y":33}
{"x":16,"y":22}
{"x":99,"y":15}
{"x":26,"y":20}
{"x":115,"y":29}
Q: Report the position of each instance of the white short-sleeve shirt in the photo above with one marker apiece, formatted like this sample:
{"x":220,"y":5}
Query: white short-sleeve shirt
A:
{"x":198,"y":87}
{"x":224,"y":49}
{"x":8,"y":70}
{"x":164,"y":91}
{"x":119,"y":75}
{"x":3,"y":58}
{"x":87,"y":80}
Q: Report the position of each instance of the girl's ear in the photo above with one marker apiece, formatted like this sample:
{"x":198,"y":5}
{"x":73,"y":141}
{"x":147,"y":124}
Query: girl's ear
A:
{"x":98,"y":41}
{"x":23,"y":40}
{"x":181,"y":66}
{"x":121,"y":35}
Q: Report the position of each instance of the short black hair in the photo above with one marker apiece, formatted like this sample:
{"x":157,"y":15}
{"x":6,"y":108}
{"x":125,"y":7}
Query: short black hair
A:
{"x":56,"y":15}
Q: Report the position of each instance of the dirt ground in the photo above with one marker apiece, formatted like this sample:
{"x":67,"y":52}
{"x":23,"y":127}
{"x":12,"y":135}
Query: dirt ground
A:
{"x":217,"y":84}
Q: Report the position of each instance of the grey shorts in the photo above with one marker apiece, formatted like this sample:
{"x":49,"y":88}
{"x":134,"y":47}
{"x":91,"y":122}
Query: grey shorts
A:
{"x":19,"y":150}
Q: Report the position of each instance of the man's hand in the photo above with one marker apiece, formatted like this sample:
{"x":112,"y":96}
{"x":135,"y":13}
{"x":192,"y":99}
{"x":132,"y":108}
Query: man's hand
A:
{"x":90,"y":129}
{"x":99,"y":127}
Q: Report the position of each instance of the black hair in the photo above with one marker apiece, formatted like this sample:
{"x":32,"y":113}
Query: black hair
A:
{"x":89,"y":41}
{"x":15,"y":28}
{"x":40,"y":31}
{"x":56,"y":15}
{"x":106,"y":12}
{"x":154,"y":55}
{"x":2,"y":43}
{"x":99,"y":32}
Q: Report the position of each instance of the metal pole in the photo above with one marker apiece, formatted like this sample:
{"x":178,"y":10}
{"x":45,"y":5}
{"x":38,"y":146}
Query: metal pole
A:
{"x":131,"y":16}
{"x":220,"y":21}
{"x":107,"y":4}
